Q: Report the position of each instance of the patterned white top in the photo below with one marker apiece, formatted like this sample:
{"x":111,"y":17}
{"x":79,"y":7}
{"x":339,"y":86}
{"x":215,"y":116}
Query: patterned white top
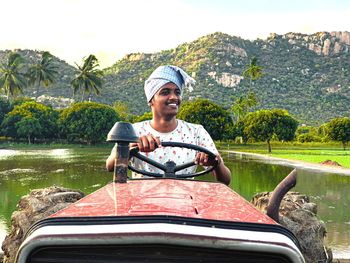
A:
{"x":185,"y":132}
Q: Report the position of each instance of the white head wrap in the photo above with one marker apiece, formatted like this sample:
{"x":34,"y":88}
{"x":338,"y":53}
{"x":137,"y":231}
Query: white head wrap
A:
{"x":165,"y":74}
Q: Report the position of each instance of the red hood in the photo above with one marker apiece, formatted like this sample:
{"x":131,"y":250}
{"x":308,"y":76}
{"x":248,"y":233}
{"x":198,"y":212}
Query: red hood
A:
{"x":185,"y":198}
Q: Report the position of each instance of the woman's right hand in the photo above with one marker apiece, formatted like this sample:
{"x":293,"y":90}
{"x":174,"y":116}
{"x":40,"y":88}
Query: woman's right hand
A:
{"x":147,"y":143}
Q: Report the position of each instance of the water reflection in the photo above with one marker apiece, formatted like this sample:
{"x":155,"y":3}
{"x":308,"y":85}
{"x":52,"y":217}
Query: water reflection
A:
{"x":17,"y":170}
{"x":55,"y":153}
{"x":5,"y":153}
{"x":22,"y":171}
{"x":328,"y":190}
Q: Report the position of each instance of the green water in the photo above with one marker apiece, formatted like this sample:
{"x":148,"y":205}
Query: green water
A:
{"x":84,"y":169}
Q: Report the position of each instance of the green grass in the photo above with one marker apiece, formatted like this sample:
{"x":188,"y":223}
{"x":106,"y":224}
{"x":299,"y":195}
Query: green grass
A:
{"x":307,"y":152}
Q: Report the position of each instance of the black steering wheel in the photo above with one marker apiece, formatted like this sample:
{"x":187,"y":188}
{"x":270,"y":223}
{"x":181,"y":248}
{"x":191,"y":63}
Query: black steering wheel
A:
{"x":170,"y":167}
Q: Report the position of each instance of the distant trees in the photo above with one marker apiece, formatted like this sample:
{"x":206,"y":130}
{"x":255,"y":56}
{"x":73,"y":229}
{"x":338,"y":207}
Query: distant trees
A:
{"x":5,"y":107}
{"x":144,"y":117}
{"x":308,"y":134}
{"x":16,"y":75}
{"x":87,"y":122}
{"x":88,"y":78}
{"x":44,"y":72}
{"x":338,"y":129}
{"x":263,"y":125}
{"x":84,"y":122}
{"x":122,"y":110}
{"x":31,"y":120}
{"x":28,"y":127}
{"x":12,"y":78}
{"x":214,"y":118}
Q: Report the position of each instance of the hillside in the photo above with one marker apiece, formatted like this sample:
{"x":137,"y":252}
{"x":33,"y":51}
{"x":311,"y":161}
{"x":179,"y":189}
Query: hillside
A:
{"x":309,"y":75}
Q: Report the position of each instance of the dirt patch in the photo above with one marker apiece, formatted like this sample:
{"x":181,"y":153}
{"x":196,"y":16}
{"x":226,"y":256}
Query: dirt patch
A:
{"x":330,"y":163}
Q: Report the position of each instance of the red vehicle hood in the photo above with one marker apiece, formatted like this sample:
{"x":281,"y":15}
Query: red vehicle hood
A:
{"x":184,"y":198}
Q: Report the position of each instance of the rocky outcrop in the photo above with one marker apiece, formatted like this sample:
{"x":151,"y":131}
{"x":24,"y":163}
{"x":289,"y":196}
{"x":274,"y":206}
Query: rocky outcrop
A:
{"x":57,"y":103}
{"x":298,"y":215}
{"x":226,"y":79}
{"x":38,"y":205}
{"x":322,"y":43}
{"x":135,"y":56}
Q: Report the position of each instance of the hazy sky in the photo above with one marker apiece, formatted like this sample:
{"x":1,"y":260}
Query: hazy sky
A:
{"x":110,"y":29}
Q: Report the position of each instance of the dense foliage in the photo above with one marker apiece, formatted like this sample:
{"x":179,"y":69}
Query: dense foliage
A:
{"x":5,"y":107}
{"x":263,"y":125}
{"x":214,"y":118}
{"x":297,"y":72}
{"x":338,"y":129}
{"x":38,"y":119}
{"x":87,"y":122}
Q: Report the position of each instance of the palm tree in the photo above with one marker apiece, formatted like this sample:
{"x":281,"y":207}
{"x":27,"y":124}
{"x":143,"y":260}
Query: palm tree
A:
{"x":12,"y":80}
{"x":242,"y":105}
{"x":43,"y":72}
{"x":89,"y":78}
{"x":253,"y":72}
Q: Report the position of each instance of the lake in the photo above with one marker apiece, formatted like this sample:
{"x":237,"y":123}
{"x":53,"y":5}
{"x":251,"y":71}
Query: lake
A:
{"x":84,"y":169}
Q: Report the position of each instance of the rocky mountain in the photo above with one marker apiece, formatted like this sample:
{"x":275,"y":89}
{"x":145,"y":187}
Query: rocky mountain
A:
{"x":309,"y":75}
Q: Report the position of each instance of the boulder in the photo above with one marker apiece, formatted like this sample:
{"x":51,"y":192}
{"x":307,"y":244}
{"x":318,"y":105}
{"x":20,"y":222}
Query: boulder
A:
{"x":31,"y":208}
{"x":298,"y":214}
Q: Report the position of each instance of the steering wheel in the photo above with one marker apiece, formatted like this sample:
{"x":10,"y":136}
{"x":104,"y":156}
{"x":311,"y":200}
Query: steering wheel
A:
{"x":170,"y":167}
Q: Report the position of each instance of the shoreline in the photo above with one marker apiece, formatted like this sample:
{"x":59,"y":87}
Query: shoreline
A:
{"x":295,"y":163}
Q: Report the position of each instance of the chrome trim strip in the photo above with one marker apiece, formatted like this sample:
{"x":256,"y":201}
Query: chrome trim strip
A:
{"x":161,"y":233}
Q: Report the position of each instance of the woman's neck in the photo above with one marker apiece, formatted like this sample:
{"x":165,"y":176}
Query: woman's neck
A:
{"x":164,"y":125}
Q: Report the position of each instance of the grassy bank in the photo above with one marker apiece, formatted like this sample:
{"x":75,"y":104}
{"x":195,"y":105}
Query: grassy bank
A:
{"x":307,"y":152}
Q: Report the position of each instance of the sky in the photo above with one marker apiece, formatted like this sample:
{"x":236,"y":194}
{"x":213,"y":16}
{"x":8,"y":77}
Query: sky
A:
{"x":111,"y":29}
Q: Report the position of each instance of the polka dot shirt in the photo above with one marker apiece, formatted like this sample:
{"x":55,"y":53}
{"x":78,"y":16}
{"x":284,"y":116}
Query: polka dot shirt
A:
{"x":185,"y":132}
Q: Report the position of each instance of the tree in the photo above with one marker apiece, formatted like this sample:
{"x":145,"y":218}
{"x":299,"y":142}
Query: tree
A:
{"x":45,"y":115}
{"x":88,"y":122}
{"x":12,"y":79}
{"x":262,"y":125}
{"x":88,"y":78}
{"x":122,"y":110}
{"x":242,"y":105}
{"x":306,"y":133}
{"x":5,"y":107}
{"x":214,"y":118}
{"x":253,"y":71}
{"x":338,"y":129}
{"x":144,"y":117}
{"x":44,"y":72}
{"x":28,"y":127}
